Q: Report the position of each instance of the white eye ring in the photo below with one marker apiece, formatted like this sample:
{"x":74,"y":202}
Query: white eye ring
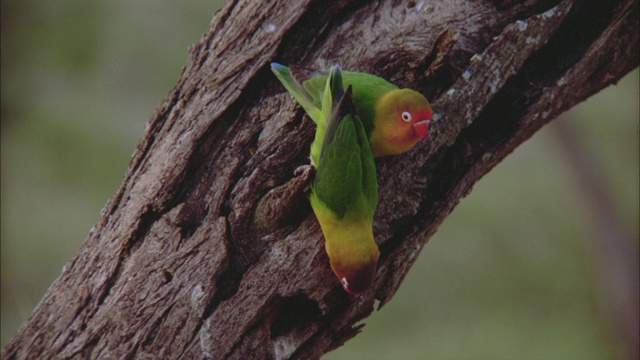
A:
{"x":406,"y":116}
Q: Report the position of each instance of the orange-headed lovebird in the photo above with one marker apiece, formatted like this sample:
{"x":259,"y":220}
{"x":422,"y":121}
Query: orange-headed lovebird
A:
{"x":344,"y":193}
{"x":394,"y":119}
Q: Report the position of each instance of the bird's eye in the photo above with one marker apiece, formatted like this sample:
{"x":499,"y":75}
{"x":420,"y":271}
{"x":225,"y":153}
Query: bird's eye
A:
{"x":344,"y":282}
{"x":406,"y":116}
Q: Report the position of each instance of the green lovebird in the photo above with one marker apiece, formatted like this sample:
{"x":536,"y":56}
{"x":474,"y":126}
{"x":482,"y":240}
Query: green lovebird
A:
{"x":344,"y":193}
{"x":394,"y":119}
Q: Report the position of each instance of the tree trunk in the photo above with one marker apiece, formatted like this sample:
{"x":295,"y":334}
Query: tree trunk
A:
{"x":209,"y":249}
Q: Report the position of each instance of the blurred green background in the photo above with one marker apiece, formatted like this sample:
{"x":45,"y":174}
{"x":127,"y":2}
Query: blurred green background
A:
{"x":523,"y":268}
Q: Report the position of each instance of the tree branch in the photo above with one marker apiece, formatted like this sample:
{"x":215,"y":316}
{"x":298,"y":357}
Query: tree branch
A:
{"x":209,"y":248}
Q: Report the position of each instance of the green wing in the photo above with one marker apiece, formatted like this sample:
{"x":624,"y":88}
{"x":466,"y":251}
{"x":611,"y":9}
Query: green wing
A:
{"x":367,"y":90}
{"x":318,"y":103}
{"x":308,"y":86}
{"x":346,"y":174}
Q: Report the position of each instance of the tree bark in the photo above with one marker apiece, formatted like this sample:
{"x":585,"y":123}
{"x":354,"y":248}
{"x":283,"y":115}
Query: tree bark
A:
{"x":209,"y":248}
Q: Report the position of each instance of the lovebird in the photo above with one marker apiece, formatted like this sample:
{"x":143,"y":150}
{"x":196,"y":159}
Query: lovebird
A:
{"x":394,"y":119}
{"x":344,"y":193}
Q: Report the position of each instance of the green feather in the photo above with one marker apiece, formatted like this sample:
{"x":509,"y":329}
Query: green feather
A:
{"x":346,"y":176}
{"x":394,"y":119}
{"x":344,"y":192}
{"x":309,"y":103}
{"x":367,"y":90}
{"x":346,"y":173}
{"x":309,"y":88}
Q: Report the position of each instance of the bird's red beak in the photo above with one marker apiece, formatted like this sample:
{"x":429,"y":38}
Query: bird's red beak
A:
{"x":422,"y":129}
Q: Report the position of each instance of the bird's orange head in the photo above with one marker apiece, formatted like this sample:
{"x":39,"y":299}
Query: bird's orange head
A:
{"x":403,"y":118}
{"x":355,"y":266}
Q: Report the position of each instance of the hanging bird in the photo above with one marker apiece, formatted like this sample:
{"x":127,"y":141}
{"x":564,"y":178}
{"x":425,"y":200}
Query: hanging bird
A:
{"x":394,"y":119}
{"x":344,"y":194}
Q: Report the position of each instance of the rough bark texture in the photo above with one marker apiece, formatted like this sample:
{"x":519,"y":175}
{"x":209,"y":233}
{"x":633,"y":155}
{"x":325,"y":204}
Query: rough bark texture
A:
{"x":210,"y":250}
